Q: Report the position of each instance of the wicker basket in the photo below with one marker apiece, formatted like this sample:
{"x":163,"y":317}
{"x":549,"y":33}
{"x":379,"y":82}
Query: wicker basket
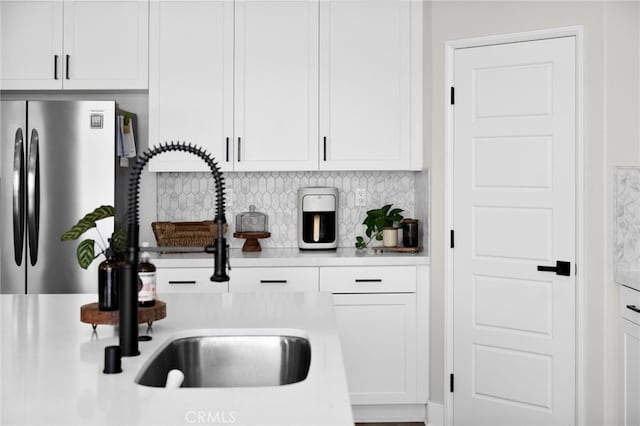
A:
{"x":185,"y":234}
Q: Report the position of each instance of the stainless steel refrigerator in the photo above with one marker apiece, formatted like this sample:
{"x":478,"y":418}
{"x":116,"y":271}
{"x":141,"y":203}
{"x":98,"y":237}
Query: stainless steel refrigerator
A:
{"x":57,"y":162}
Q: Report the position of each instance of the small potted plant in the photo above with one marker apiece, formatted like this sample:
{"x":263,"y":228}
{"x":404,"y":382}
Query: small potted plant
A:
{"x":86,"y":253}
{"x":380,"y":225}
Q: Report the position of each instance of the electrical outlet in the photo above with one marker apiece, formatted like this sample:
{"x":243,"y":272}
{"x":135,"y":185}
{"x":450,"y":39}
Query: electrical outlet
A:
{"x":230,"y":197}
{"x":361,"y":197}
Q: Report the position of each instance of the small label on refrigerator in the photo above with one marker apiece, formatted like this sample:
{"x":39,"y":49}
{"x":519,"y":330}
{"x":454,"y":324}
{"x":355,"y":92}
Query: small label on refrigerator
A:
{"x":96,"y":121}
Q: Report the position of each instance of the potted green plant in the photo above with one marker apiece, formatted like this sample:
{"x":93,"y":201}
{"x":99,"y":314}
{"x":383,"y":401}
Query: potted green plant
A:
{"x":380,"y":223}
{"x":86,"y":253}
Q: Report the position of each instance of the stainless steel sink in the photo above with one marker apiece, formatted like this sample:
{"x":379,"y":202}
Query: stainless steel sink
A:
{"x":230,"y":361}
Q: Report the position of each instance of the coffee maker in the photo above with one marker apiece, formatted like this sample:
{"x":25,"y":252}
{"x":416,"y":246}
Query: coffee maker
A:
{"x":317,"y":218}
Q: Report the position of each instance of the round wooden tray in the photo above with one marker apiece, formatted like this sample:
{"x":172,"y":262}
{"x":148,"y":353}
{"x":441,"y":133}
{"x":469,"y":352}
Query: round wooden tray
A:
{"x":90,"y":314}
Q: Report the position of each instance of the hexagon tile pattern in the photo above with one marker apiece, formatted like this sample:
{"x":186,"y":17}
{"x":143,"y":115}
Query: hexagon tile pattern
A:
{"x":191,"y":196}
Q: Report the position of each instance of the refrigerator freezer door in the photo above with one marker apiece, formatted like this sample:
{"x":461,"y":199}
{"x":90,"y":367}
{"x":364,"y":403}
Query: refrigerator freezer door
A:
{"x":76,"y":173}
{"x":13,"y":120}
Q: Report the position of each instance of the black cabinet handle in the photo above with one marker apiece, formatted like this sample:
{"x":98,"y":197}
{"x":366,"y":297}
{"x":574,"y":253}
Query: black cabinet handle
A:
{"x":634,"y":308}
{"x":182,"y":282}
{"x":377,"y":280}
{"x":561,"y":268}
{"x":239,"y":141}
{"x":67,"y":67}
{"x":227,"y":155}
{"x":273,"y":281}
{"x":324,"y":148}
{"x":55,"y":67}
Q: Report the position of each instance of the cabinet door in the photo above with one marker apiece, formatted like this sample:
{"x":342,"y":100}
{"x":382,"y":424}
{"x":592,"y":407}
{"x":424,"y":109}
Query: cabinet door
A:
{"x":191,"y":81}
{"x":106,"y":44}
{"x":276,"y":85}
{"x":378,"y":339}
{"x":365,"y":90}
{"x":30,"y":45}
{"x":630,"y":352}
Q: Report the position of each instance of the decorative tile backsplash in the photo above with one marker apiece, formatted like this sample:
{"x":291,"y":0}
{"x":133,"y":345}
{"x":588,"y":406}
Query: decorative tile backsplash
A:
{"x":627,"y":249}
{"x":191,"y":196}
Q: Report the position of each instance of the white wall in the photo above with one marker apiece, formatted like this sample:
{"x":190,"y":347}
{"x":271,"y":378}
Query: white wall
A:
{"x":611,"y":112}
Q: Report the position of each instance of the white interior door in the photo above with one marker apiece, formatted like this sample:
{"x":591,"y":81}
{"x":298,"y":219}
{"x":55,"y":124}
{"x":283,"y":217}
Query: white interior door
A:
{"x":513,"y":210}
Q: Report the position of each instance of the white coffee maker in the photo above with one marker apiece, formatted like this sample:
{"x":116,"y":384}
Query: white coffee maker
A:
{"x":317,"y":218}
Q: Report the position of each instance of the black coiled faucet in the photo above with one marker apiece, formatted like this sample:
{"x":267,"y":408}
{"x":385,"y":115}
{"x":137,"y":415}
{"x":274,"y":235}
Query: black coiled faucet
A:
{"x":128,"y":328}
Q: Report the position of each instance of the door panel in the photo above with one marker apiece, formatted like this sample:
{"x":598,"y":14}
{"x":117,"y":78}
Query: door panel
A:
{"x":276,"y":85}
{"x":191,"y":87}
{"x":106,"y":44}
{"x":76,"y":176}
{"x":365,"y":90}
{"x":31,"y":45}
{"x":13,"y":121}
{"x":514,"y":209}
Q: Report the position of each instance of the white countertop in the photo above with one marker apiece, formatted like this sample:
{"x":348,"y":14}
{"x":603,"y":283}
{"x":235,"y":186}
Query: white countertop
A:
{"x":292,"y":257}
{"x":51,"y":364}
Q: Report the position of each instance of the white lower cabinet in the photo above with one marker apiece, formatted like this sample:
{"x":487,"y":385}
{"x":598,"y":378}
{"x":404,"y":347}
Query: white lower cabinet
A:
{"x":274,"y":279}
{"x":378,"y":323}
{"x":630,"y":356}
{"x":378,"y":338}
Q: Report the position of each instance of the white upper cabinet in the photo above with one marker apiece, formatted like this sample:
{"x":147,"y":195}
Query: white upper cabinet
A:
{"x":30,"y":45}
{"x":238,"y":79}
{"x":370,"y":85}
{"x":276,"y":85}
{"x":106,"y":44}
{"x":191,"y":81}
{"x":284,"y":85}
{"x":74,"y":44}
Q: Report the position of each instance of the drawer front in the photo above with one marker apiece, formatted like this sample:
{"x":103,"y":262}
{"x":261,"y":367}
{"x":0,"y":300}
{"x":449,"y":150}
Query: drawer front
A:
{"x":274,"y":279}
{"x":186,"y":280}
{"x":379,"y":279}
{"x":630,"y":304}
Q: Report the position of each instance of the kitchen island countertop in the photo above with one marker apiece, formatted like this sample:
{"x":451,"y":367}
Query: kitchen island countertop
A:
{"x":51,"y":364}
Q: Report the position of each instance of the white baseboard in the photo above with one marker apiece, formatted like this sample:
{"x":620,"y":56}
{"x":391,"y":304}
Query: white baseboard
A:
{"x":390,"y":413}
{"x":435,"y":414}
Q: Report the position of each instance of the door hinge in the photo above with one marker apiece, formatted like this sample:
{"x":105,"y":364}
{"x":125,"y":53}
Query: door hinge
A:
{"x":452,"y":239}
{"x":453,"y":98}
{"x":450,"y":382}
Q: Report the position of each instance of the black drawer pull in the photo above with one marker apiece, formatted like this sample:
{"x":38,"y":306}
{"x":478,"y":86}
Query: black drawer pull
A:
{"x":273,"y":281}
{"x":182,"y":282}
{"x":634,"y":308}
{"x":377,"y":280}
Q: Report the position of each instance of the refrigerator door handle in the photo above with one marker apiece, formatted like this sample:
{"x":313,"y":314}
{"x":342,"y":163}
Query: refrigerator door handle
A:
{"x":18,"y":197}
{"x":33,"y":201}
